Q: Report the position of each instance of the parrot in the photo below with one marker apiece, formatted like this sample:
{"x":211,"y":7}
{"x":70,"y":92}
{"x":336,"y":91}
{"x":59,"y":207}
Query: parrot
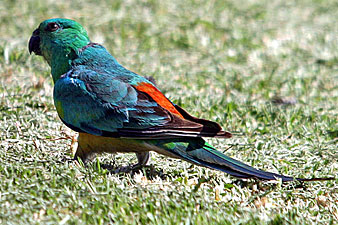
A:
{"x":116,"y":110}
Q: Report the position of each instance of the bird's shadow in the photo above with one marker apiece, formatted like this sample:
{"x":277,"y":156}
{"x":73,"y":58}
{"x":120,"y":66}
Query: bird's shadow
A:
{"x":149,"y":171}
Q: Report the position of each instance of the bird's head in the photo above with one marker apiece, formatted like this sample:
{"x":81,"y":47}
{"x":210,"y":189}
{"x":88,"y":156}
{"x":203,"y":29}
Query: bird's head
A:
{"x":58,"y":41}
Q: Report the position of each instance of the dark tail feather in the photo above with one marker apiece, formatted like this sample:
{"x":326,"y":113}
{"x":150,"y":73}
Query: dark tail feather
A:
{"x":203,"y":154}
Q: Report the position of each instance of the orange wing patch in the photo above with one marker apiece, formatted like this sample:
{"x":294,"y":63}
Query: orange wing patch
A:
{"x":158,"y":97}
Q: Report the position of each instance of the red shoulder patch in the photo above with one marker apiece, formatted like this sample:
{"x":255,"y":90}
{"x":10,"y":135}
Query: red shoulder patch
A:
{"x":158,"y":97}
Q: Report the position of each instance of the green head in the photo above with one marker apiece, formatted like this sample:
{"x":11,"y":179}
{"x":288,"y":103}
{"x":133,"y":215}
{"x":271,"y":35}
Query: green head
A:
{"x":58,"y":41}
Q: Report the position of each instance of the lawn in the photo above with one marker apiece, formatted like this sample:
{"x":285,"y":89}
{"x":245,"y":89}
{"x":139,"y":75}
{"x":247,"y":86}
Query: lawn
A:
{"x":265,"y":70}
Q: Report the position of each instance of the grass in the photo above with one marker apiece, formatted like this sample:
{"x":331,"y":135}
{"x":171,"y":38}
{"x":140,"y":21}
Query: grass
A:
{"x":265,"y":70}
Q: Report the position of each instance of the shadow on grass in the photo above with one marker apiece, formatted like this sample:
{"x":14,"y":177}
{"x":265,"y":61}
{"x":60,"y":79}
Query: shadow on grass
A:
{"x":149,"y":171}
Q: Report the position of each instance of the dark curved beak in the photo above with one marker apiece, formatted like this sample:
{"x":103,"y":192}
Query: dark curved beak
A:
{"x":34,"y":43}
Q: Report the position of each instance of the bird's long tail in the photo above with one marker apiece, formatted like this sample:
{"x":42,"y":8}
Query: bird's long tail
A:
{"x":199,"y":152}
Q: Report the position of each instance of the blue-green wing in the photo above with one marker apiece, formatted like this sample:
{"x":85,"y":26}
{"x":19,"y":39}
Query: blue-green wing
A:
{"x":101,"y":104}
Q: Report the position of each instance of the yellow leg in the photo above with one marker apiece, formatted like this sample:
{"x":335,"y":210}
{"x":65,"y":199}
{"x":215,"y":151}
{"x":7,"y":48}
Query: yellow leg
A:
{"x":143,"y":158}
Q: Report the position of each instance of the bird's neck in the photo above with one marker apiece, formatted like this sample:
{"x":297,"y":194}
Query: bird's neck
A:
{"x":61,"y":59}
{"x":60,"y":66}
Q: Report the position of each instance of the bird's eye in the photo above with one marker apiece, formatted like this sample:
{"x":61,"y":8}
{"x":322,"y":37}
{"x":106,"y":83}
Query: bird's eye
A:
{"x":52,"y":27}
